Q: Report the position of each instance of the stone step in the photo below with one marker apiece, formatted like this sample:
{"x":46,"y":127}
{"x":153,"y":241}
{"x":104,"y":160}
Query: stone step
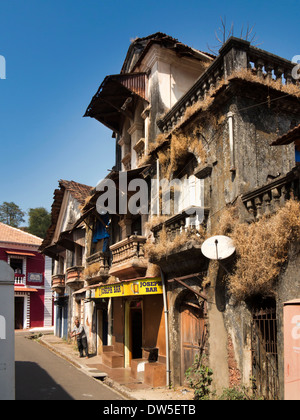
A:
{"x":138,"y":368}
{"x":155,"y":374}
{"x":108,"y":348}
{"x":113,"y":359}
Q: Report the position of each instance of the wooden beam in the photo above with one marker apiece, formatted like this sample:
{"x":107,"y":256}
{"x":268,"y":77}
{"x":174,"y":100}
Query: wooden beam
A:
{"x":179,"y":280}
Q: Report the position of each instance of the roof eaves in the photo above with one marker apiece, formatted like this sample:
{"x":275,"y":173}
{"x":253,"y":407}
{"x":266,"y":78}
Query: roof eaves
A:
{"x":288,"y":138}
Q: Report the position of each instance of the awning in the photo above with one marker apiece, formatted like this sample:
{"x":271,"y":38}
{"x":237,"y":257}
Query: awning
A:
{"x":114,"y":99}
{"x":52,"y":251}
{"x":82,"y":218}
{"x":28,"y":254}
{"x":84,"y":289}
{"x":114,"y":176}
{"x":25,"y":289}
{"x":78,"y":292}
{"x":66,"y":240}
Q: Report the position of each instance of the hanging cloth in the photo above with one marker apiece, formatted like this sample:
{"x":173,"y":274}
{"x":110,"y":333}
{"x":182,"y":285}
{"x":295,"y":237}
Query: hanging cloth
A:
{"x":101,"y":230}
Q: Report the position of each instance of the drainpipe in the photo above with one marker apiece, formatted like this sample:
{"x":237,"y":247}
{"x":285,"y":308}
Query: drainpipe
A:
{"x":109,"y":313}
{"x":231,"y":141}
{"x":157,"y":186}
{"x":168,"y":372}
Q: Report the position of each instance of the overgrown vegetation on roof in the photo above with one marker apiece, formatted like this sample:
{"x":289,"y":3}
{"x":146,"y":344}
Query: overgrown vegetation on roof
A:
{"x":250,"y":76}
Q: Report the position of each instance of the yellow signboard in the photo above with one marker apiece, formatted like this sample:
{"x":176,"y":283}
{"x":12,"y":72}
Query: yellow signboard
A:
{"x":110,"y":290}
{"x":147,"y":286}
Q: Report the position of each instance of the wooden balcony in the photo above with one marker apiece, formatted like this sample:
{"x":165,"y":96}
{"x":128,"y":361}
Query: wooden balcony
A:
{"x":97,"y":267}
{"x":128,"y":258}
{"x":58,"y":283}
{"x":74,"y":276}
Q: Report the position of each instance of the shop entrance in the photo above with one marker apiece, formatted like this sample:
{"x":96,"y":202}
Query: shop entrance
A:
{"x":19,"y":313}
{"x":136,"y":332}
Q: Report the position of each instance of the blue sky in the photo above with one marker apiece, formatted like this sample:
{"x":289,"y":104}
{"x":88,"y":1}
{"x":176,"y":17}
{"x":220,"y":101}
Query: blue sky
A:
{"x":57,"y":54}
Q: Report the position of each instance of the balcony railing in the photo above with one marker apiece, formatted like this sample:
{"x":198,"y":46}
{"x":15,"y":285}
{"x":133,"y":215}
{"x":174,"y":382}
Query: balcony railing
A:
{"x":74,"y":276}
{"x":177,"y":244}
{"x":180,"y":224}
{"x":19,"y":278}
{"x":97,"y":267}
{"x":128,"y":258}
{"x":58,"y":282}
{"x":269,"y":198}
{"x":234,"y":56}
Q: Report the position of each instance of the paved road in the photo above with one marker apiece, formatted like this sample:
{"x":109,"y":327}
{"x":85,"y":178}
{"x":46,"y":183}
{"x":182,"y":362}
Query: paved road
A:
{"x":42,"y":375}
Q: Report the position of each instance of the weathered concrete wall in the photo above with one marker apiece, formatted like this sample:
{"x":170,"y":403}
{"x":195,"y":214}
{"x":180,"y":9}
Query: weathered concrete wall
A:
{"x":254,"y":128}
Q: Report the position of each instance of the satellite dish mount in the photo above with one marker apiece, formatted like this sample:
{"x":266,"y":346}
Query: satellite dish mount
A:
{"x":218,"y":248}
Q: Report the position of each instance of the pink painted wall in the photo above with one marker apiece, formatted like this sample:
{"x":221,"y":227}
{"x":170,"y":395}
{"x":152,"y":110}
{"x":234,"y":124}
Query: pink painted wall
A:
{"x":292,"y":350}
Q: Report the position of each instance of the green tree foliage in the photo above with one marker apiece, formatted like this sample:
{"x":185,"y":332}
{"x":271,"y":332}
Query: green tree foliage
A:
{"x":11,"y":214}
{"x":39,"y":221}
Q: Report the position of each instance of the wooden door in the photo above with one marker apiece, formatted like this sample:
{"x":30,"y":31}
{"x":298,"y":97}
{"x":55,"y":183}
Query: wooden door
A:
{"x":192,"y":326}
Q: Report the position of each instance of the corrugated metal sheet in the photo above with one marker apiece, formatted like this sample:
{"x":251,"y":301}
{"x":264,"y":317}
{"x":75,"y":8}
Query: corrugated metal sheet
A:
{"x":136,"y":82}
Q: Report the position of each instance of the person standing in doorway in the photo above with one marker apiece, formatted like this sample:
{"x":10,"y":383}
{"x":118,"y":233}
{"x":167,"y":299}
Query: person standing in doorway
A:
{"x":79,"y":333}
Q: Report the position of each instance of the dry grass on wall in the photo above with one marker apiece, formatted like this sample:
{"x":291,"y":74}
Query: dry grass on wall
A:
{"x":247,"y":74}
{"x":91,"y":270}
{"x":166,"y":244}
{"x":262,"y":249}
{"x":181,"y":144}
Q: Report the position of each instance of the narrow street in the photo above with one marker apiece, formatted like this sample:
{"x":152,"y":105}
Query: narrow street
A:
{"x":42,"y":375}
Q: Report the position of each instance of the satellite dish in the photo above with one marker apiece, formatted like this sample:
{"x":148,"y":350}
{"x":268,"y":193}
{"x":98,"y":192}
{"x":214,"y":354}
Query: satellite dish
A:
{"x":218,"y":247}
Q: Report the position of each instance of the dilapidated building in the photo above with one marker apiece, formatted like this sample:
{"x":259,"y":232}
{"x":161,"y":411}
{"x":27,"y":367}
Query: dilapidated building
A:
{"x":152,"y":300}
{"x":156,"y":72}
{"x":65,"y":244}
{"x":221,"y":131}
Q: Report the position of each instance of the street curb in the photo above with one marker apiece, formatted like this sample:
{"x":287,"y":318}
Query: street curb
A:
{"x":107,"y":381}
{"x":59,"y":353}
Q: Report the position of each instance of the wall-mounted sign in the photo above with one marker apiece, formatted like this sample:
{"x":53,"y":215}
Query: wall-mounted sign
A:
{"x":35,"y":277}
{"x":147,"y":286}
{"x":111,"y":290}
